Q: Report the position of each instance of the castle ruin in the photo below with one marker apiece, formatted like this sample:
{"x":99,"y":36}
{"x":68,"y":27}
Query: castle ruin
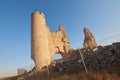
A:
{"x":89,"y":41}
{"x":44,"y":43}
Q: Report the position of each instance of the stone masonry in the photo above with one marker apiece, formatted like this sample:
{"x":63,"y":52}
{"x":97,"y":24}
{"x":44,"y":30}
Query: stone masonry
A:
{"x":44,"y":43}
{"x":89,"y":41}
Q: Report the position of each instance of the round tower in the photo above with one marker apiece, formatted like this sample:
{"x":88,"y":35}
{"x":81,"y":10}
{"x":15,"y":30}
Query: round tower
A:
{"x":39,"y":40}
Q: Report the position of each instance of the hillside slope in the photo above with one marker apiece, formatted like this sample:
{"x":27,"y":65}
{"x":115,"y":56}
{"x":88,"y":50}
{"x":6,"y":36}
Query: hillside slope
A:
{"x":102,"y":63}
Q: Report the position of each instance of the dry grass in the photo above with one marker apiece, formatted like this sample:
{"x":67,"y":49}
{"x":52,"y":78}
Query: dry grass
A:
{"x":10,"y":78}
{"x":77,"y":75}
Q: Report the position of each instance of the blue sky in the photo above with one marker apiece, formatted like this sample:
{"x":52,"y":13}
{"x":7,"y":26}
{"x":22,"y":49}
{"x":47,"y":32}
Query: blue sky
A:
{"x":102,"y":17}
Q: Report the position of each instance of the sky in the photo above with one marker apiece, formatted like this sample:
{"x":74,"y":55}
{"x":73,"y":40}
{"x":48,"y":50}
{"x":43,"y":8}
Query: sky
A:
{"x":102,"y":17}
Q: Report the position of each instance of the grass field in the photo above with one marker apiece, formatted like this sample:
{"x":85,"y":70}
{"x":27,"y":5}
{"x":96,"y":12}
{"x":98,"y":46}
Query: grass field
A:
{"x":76,"y":75}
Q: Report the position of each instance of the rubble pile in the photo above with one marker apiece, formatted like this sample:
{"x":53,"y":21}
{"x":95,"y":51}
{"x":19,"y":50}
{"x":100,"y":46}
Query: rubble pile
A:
{"x":101,"y":57}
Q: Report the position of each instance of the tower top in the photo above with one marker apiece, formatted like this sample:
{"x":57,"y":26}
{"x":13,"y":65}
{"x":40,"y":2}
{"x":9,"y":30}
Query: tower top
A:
{"x":36,"y":11}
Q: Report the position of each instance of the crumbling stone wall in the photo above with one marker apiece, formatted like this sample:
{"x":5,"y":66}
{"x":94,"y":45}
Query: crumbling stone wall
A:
{"x":101,"y":57}
{"x":89,"y":41}
{"x":44,"y":43}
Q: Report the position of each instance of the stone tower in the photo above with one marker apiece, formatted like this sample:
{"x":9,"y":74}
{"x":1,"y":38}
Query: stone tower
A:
{"x":39,"y":43}
{"x":89,"y":41}
{"x":44,"y":43}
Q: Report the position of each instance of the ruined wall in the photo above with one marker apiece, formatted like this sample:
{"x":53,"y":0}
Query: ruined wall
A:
{"x":89,"y":41}
{"x":99,"y":58}
{"x":44,"y":43}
